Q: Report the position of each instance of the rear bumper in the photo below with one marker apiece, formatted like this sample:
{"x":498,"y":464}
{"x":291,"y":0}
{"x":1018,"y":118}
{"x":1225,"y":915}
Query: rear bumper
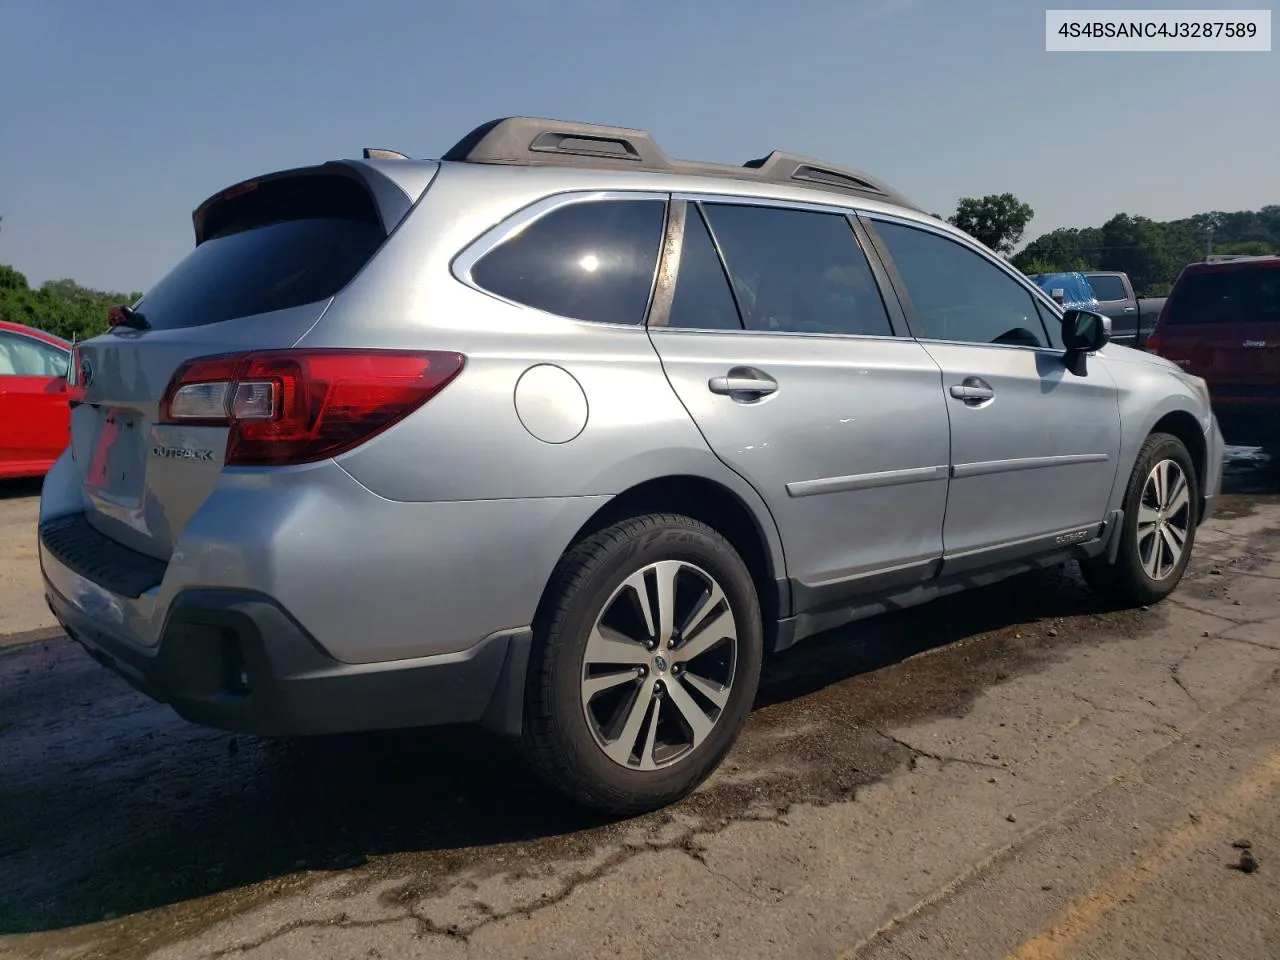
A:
{"x":238,"y":661}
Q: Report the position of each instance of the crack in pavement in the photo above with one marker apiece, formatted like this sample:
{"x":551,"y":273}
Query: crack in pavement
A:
{"x":685,"y":843}
{"x":1261,"y":576}
{"x":1174,"y":601}
{"x":339,"y":921}
{"x":1250,"y":643}
{"x":917,"y":752}
{"x":1209,"y":639}
{"x":1127,"y":711}
{"x":1177,"y":677}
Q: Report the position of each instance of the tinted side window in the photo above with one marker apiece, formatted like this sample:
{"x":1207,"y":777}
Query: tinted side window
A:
{"x":957,"y":294}
{"x":798,"y":271}
{"x":1108,"y":288}
{"x":589,"y":261}
{"x":26,"y":357}
{"x":702,"y":299}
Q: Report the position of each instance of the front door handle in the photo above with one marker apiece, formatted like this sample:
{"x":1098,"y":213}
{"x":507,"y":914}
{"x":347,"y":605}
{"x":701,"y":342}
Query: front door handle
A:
{"x":1130,"y":309}
{"x":973,"y":390}
{"x":743,"y":381}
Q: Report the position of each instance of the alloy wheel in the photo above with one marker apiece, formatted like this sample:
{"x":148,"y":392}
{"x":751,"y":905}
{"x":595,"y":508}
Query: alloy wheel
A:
{"x":659,"y":665}
{"x":1164,"y":519}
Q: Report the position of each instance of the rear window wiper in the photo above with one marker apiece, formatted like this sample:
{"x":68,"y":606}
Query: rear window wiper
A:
{"x":126,"y":316}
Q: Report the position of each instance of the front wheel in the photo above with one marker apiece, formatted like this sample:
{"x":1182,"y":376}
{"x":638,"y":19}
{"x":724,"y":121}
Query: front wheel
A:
{"x":645,"y":664}
{"x":1161,"y":512}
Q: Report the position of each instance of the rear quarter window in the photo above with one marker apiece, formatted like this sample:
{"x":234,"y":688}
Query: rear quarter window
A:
{"x":1241,"y":295}
{"x":287,"y":243}
{"x":591,"y":260}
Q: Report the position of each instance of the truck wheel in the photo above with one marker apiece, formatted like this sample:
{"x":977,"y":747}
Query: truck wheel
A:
{"x":1161,"y":511}
{"x":645,"y":664}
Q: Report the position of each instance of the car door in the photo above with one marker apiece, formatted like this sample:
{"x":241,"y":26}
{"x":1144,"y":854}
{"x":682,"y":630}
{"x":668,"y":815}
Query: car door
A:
{"x":33,"y":404}
{"x":1034,"y":448}
{"x":775,"y":336}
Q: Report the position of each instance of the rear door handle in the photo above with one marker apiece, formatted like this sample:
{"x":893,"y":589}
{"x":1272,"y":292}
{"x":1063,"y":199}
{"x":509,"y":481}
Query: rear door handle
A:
{"x":741,"y":381}
{"x":972,"y":390}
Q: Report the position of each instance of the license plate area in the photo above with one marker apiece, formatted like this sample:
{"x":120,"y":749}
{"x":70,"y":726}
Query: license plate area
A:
{"x":116,"y":469}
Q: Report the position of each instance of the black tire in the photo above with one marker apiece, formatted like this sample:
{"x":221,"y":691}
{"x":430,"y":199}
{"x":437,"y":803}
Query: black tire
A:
{"x":1126,"y":581}
{"x":558,"y":740}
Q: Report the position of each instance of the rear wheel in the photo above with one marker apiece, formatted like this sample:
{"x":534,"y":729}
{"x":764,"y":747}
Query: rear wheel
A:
{"x":645,"y":666}
{"x":1161,"y":512}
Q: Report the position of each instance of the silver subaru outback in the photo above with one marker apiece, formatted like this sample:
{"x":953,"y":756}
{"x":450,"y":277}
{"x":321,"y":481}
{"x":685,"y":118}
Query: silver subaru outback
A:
{"x":560,"y":436}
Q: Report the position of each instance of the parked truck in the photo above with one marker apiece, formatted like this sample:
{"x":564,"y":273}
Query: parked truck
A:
{"x":1132,"y":319}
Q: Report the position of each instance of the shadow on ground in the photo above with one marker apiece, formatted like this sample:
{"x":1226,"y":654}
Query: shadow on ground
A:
{"x":16,"y":489}
{"x":110,"y":805}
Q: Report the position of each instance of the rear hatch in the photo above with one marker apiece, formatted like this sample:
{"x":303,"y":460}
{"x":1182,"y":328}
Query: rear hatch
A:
{"x":269,"y":256}
{"x":1222,"y":323}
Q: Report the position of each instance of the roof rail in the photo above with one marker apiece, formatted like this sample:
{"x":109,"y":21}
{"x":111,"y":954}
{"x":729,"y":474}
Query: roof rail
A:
{"x":377,"y":153}
{"x":534,"y":141}
{"x":1227,"y":257}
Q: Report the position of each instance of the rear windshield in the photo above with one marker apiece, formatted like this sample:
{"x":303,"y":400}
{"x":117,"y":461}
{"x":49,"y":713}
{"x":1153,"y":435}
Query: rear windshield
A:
{"x":1108,"y":288}
{"x":1249,"y":295}
{"x":284,"y":245}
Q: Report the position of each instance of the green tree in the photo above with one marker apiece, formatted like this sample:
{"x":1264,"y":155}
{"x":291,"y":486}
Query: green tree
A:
{"x":1166,"y":247}
{"x":1063,"y":249}
{"x":1247,"y":248}
{"x":11,"y":279}
{"x":1034,"y":265}
{"x":62,"y":307}
{"x":1137,"y":246}
{"x":997,"y":220}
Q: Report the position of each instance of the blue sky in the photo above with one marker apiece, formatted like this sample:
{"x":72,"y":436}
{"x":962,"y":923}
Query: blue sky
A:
{"x":117,"y":119}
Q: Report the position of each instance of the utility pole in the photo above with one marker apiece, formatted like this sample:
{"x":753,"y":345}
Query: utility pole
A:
{"x":1210,"y":223}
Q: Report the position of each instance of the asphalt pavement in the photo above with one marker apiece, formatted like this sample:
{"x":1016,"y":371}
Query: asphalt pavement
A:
{"x":1015,"y":772}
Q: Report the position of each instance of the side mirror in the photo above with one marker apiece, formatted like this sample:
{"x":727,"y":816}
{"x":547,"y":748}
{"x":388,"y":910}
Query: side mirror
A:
{"x":1082,"y":333}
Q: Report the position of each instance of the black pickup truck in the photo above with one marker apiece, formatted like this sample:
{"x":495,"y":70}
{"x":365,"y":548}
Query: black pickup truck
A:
{"x":1132,"y":319}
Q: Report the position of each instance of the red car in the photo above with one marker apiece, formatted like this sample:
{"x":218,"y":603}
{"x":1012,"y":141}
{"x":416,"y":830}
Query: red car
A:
{"x":34,"y":412}
{"x":1222,"y":322}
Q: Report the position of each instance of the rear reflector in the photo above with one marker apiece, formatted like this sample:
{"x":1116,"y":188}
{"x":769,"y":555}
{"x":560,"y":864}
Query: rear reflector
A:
{"x":297,"y":406}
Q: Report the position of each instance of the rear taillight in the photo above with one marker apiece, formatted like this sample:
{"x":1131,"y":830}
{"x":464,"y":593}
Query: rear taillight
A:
{"x":298,"y":406}
{"x":1153,"y":344}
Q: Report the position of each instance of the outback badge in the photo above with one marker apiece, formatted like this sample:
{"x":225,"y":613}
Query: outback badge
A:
{"x":180,"y":453}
